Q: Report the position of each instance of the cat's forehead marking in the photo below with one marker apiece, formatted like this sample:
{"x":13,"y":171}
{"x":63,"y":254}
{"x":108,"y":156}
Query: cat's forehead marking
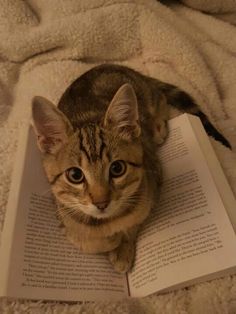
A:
{"x":91,"y":142}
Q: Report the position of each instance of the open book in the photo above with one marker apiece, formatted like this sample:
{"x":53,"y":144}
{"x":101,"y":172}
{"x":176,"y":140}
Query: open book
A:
{"x":188,"y":237}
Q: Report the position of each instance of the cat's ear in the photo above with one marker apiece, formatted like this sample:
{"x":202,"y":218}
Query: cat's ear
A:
{"x":122,"y":113}
{"x":50,"y":125}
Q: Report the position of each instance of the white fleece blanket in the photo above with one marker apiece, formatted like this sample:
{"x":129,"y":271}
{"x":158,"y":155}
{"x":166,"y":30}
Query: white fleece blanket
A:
{"x":45,"y":45}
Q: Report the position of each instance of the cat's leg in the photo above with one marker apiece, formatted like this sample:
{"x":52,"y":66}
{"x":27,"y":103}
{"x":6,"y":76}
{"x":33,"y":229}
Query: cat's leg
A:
{"x":94,"y":245}
{"x":160,"y":131}
{"x":160,"y":115}
{"x":122,"y":257}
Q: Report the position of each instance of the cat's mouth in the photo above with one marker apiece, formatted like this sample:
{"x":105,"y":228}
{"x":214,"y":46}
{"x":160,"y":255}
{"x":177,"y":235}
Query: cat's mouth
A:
{"x":101,"y":212}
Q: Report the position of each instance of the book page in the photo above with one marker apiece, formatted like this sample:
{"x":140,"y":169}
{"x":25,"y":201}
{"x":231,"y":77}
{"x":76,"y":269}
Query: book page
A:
{"x":216,"y":171}
{"x":188,"y":235}
{"x":43,"y":264}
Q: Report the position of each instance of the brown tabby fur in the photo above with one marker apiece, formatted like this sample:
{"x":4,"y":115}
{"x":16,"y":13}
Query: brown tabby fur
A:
{"x":96,"y":123}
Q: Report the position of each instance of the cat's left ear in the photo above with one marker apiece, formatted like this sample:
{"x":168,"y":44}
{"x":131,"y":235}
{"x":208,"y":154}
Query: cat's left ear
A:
{"x":50,"y":125}
{"x":122,"y":113}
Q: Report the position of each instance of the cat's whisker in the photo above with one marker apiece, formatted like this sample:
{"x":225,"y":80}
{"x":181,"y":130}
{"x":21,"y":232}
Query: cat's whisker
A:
{"x":133,"y":199}
{"x":49,"y":190}
{"x":72,"y":209}
{"x":72,"y":203}
{"x":68,"y":214}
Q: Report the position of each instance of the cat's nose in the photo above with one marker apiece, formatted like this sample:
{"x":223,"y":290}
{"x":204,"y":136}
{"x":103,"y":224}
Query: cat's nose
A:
{"x":101,"y":205}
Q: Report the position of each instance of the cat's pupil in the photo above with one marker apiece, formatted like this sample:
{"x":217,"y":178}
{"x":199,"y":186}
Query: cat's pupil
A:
{"x":117,"y":168}
{"x":75,"y":175}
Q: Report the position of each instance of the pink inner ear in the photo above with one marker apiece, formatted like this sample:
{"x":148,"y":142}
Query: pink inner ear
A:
{"x":52,"y":134}
{"x":47,"y":125}
{"x":122,"y":112}
{"x":50,"y":124}
{"x":49,"y":144}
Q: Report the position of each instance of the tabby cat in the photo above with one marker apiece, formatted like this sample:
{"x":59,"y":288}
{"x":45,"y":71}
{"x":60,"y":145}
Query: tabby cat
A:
{"x":99,"y":154}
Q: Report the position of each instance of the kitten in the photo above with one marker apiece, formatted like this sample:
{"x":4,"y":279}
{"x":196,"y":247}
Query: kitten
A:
{"x":99,"y":154}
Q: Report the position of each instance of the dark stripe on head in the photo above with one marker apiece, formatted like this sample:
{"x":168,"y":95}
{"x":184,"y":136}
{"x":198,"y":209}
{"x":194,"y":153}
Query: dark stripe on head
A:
{"x":103,"y":145}
{"x":92,"y":141}
{"x":82,"y":147}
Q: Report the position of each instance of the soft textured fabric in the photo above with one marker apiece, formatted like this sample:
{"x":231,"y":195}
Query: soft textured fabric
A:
{"x":45,"y":45}
{"x":226,"y":10}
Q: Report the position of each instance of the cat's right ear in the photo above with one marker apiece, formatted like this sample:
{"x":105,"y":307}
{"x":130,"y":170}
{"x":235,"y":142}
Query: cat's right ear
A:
{"x":50,"y":125}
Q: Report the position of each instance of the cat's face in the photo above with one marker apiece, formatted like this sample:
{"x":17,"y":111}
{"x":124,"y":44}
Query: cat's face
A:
{"x":97,"y":169}
{"x":100,"y":175}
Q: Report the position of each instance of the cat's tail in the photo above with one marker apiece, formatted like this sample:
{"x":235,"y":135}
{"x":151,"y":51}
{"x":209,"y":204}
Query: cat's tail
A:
{"x":183,"y":102}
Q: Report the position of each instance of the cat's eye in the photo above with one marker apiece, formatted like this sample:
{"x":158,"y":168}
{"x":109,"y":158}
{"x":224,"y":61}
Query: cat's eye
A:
{"x":74,"y":175}
{"x":117,"y":168}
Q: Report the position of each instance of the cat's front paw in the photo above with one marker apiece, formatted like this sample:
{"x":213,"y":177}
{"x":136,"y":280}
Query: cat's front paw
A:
{"x":122,"y":257}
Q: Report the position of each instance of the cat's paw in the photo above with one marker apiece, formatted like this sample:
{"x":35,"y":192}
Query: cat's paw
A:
{"x":160,"y":131}
{"x":122,"y":258}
